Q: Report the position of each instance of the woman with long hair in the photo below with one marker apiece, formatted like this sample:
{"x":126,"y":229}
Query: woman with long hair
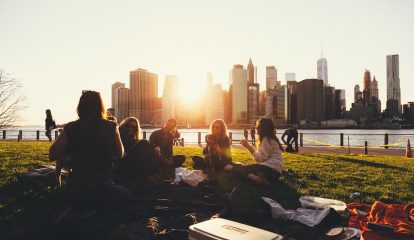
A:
{"x":217,"y":153}
{"x":91,"y":142}
{"x":140,"y":160}
{"x":49,"y":124}
{"x":129,"y":129}
{"x":268,"y":156}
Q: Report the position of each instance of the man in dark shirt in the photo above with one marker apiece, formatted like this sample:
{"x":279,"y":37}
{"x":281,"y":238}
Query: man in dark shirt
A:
{"x":292,"y":137}
{"x":162,"y":140}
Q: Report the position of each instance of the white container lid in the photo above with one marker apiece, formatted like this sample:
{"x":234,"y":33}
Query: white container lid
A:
{"x":220,"y":229}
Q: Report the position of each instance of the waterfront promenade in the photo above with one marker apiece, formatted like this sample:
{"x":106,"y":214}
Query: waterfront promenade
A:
{"x":308,"y":149}
{"x":334,"y":150}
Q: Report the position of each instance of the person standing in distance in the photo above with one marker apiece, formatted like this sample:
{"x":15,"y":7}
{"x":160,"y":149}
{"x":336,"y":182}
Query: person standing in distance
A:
{"x":246,"y":134}
{"x":253,"y":135}
{"x":49,"y":124}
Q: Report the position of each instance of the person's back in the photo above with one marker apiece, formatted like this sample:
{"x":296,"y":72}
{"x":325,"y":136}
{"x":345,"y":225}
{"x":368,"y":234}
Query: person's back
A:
{"x":270,"y":155}
{"x":91,"y":142}
{"x":91,"y":145}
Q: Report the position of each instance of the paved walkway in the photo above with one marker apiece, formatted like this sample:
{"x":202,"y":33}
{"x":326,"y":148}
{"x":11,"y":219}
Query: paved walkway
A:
{"x":319,"y":149}
{"x":371,"y":151}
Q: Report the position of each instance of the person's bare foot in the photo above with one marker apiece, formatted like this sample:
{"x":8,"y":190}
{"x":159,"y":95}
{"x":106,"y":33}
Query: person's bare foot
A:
{"x":259,"y":179}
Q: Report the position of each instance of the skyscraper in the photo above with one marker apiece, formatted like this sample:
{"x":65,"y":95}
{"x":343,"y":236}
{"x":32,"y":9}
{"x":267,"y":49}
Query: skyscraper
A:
{"x":340,"y":103}
{"x":357,"y":91}
{"x":290,"y":76}
{"x":253,"y":93}
{"x":279,"y":102}
{"x":213,"y":104}
{"x":268,"y":103}
{"x":253,"y":102}
{"x":114,"y":96}
{"x":169,"y":97}
{"x":251,"y":73}
{"x":239,"y":90}
{"x":310,"y":100}
{"x":375,"y":96}
{"x":227,"y":104}
{"x":366,"y":93}
{"x":271,"y":77}
{"x":292,"y":89}
{"x":329,"y":102}
{"x":374,"y":88}
{"x":143,"y":95}
{"x":393,"y":86}
{"x":323,"y":70}
{"x":122,"y":106}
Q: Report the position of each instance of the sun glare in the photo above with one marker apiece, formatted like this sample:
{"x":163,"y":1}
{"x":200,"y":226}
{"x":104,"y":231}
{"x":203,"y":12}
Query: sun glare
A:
{"x":190,"y":94}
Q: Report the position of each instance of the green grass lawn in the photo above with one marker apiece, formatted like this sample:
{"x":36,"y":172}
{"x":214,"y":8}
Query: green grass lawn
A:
{"x":387,"y":179}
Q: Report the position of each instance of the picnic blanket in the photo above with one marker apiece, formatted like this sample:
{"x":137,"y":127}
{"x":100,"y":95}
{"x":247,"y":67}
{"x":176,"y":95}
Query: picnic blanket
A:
{"x":395,"y":215}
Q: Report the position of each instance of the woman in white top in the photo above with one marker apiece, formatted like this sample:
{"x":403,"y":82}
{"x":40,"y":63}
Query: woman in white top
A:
{"x":268,"y":156}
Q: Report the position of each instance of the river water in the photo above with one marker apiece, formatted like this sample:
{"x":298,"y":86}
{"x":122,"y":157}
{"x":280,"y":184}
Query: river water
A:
{"x":315,"y":137}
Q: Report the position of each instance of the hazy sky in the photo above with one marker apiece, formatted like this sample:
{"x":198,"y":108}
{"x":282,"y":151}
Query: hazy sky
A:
{"x":59,"y":48}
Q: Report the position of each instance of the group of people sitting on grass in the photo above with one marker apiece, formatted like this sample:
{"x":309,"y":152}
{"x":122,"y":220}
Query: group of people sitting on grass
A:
{"x":100,"y":152}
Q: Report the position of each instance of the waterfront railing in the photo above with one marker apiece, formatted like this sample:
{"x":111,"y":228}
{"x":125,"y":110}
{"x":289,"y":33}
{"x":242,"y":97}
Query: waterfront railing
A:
{"x":371,"y":140}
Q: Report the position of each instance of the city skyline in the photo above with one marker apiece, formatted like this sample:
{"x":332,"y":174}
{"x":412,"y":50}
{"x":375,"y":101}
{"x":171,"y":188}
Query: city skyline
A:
{"x":60,"y":49}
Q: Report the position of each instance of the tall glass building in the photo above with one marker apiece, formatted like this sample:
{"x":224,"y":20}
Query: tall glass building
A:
{"x":323,"y":70}
{"x":393,"y":87}
{"x":143,"y":95}
{"x":238,"y":80}
{"x":169,"y":97}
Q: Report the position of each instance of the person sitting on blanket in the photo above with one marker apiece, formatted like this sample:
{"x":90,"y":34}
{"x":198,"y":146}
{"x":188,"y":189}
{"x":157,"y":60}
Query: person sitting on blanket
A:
{"x":140,"y":160}
{"x":217,"y":153}
{"x":92,"y":142}
{"x":269,"y":158}
{"x":162,"y":140}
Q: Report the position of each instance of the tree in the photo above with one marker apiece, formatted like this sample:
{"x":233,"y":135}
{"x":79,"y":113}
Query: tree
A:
{"x":11,"y":100}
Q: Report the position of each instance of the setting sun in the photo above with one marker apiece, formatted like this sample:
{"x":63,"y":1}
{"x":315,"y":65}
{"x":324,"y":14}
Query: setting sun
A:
{"x":190,"y":94}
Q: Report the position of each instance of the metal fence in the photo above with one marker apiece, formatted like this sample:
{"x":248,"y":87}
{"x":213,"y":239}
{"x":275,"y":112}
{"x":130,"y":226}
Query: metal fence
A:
{"x":373,"y":140}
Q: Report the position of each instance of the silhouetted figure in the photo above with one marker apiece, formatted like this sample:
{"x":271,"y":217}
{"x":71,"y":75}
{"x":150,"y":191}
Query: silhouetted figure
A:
{"x":129,"y":131}
{"x":246,"y":134}
{"x":177,"y":135}
{"x":140,"y":162}
{"x":91,"y":142}
{"x":253,"y":135}
{"x":292,"y":137}
{"x":162,"y":140}
{"x":49,"y":124}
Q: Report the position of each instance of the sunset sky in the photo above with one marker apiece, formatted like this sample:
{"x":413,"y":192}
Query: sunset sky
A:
{"x":59,"y":48}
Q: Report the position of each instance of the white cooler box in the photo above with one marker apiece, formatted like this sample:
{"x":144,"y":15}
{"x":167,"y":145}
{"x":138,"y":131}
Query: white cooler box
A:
{"x":223,"y":229}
